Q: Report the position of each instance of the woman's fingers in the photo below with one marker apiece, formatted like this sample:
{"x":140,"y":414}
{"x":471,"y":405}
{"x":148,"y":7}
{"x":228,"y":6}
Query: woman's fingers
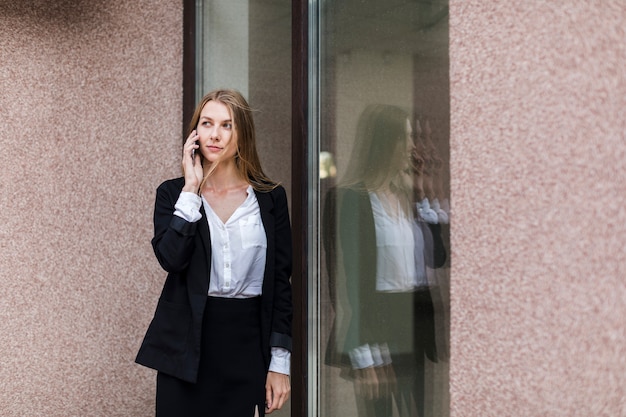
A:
{"x":190,"y":146}
{"x":367,"y":383}
{"x":277,"y":390}
{"x":192,"y":166}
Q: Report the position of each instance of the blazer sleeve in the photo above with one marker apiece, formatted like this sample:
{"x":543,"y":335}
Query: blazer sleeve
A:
{"x":282,"y":315}
{"x":358,"y":245}
{"x":173,"y":236}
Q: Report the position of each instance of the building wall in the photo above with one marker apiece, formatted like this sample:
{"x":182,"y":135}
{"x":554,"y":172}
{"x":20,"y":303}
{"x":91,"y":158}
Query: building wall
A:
{"x":91,"y":118}
{"x":90,"y":104}
{"x":538,"y":155}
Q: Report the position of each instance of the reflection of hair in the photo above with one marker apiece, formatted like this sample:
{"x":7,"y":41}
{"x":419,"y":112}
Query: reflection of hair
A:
{"x":246,"y":158}
{"x":380,"y":132}
{"x":429,"y":152}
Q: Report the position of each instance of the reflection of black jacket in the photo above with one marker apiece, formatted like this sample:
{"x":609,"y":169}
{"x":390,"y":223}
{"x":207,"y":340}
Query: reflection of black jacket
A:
{"x":172,"y":342}
{"x":374,"y":317}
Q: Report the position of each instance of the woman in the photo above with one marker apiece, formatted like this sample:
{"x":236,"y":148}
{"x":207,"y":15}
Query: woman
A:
{"x":384,"y":254}
{"x":220,"y":338}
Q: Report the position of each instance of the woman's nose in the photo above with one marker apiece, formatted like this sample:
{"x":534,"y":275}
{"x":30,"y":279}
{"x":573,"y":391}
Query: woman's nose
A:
{"x":214,"y":133}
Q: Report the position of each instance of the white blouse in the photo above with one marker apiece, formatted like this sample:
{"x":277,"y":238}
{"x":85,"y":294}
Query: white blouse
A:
{"x":395,"y":249}
{"x":238,"y":254}
{"x":239,"y":247}
{"x":400,"y":267}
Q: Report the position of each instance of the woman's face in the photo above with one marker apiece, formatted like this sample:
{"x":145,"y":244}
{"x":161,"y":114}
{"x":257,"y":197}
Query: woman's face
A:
{"x":218,"y":140}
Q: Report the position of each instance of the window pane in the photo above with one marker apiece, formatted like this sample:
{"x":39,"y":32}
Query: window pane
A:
{"x":384,"y":208}
{"x":246,"y":45}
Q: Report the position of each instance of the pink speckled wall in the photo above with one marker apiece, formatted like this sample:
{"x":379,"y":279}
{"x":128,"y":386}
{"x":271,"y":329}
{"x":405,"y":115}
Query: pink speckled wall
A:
{"x":90,"y":104}
{"x":90,"y":99}
{"x":538,"y":149}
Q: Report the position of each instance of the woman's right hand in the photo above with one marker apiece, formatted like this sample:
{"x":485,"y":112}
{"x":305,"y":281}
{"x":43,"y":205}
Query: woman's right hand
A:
{"x":375,"y":382}
{"x":366,"y":383}
{"x":192,"y":165}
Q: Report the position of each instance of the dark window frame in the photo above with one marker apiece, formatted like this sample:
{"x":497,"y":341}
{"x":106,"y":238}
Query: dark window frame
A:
{"x":300,"y":173}
{"x":189,"y":62}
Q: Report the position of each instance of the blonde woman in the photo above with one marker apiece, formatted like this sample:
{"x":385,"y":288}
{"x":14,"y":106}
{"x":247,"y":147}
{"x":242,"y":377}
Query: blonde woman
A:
{"x":220,"y":338}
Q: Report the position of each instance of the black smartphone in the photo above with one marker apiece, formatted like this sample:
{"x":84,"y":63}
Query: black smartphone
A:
{"x":193,"y":151}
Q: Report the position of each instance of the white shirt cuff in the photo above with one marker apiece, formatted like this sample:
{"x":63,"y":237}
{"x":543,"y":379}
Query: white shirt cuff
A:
{"x":385,"y":354}
{"x":281,"y":360}
{"x":361,"y":357}
{"x":441,"y":214}
{"x":426,"y":213}
{"x":187,"y":207}
{"x":378,"y":359}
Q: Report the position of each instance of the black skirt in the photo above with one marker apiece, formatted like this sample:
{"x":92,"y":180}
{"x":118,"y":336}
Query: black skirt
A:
{"x":231,"y":378}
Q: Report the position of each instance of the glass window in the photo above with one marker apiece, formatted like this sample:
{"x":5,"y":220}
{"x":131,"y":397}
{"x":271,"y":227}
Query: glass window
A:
{"x":246,"y":45}
{"x":382,"y":86}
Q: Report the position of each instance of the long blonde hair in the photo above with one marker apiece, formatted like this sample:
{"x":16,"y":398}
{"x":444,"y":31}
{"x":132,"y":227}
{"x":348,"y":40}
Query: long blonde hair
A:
{"x":380,"y":141}
{"x":380,"y":130}
{"x":246,"y":158}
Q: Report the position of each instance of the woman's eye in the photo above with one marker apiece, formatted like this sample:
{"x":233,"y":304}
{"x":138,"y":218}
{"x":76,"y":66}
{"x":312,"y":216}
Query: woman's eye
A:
{"x":228,"y":126}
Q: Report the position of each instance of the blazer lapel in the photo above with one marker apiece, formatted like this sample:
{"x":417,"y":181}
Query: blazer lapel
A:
{"x":205,"y":235}
{"x":266,"y":206}
{"x":203,"y":243}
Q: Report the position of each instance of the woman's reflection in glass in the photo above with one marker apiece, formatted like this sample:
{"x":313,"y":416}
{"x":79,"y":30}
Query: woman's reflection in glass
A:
{"x":385,"y":249}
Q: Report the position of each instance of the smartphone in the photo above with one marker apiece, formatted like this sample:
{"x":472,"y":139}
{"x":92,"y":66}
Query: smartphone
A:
{"x":193,"y":151}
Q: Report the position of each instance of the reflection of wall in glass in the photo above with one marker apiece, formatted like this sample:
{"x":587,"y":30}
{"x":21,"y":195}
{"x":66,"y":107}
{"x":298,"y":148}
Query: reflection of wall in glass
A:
{"x":224,"y":49}
{"x":246,"y":45}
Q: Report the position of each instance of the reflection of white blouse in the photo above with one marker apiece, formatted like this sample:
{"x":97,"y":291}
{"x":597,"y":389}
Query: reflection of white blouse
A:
{"x":400,"y":267}
{"x":395,"y":249}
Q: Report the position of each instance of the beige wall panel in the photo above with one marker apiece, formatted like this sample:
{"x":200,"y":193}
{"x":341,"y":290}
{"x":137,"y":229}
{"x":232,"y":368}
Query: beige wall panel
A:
{"x":91,"y":111}
{"x":538,"y":155}
{"x":389,"y":80}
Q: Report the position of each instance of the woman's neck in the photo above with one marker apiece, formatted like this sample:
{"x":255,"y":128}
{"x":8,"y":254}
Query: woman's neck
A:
{"x":224,"y":177}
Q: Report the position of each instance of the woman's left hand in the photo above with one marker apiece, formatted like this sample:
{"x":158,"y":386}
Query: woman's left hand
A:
{"x":277,"y":388}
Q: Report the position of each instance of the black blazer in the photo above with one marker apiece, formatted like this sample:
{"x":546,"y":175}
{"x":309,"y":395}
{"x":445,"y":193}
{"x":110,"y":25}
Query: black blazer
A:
{"x":172,"y":343}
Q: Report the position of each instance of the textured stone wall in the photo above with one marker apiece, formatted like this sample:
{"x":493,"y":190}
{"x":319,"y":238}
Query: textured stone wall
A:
{"x":538,"y":158}
{"x":90,"y":105}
